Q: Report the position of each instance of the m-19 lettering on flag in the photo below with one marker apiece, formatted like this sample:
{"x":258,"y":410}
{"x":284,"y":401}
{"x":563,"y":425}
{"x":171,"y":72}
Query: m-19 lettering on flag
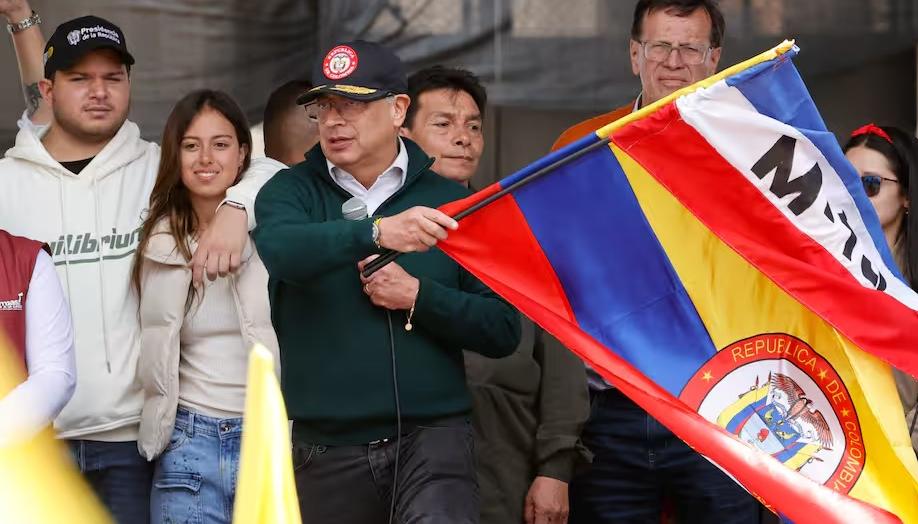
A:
{"x":714,"y":256}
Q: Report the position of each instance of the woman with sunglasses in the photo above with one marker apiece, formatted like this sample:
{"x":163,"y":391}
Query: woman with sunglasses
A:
{"x":195,"y":341}
{"x":886,"y":158}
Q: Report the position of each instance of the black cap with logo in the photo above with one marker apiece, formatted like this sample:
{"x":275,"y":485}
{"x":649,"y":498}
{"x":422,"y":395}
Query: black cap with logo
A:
{"x":74,"y":38}
{"x":359,"y":70}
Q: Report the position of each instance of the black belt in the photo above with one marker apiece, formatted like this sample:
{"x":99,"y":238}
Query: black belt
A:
{"x":407,"y":428}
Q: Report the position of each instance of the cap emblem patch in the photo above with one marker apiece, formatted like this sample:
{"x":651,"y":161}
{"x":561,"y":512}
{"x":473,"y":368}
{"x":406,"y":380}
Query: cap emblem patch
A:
{"x":74,"y":37}
{"x":339,"y":62}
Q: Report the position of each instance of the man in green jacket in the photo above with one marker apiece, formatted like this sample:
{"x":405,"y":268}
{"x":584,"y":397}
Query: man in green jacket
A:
{"x":372,"y":367}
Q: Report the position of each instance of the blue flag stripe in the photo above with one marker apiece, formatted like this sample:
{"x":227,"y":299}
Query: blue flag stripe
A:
{"x":618,"y":280}
{"x":549,"y":159}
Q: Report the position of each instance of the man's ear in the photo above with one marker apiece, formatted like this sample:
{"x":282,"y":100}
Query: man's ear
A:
{"x":46,"y":88}
{"x":634,"y":50}
{"x":715,"y":56}
{"x":400,"y":108}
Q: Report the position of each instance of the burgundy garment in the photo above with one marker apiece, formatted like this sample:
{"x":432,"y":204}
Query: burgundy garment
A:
{"x":17,"y":261}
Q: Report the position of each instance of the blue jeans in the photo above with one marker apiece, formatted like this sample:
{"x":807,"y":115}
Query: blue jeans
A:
{"x":118,"y":474}
{"x":638,"y":464}
{"x":195,"y":478}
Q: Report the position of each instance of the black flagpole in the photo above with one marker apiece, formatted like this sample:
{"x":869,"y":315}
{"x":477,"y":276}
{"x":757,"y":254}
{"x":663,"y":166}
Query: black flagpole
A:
{"x":389,"y":255}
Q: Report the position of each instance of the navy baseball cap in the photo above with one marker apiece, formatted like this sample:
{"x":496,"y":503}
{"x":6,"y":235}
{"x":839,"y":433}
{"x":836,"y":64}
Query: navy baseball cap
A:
{"x":74,"y":38}
{"x":359,"y":70}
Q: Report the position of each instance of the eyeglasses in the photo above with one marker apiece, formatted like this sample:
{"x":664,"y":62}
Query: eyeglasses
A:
{"x":347,"y":108}
{"x":872,"y":184}
{"x":691,"y":54}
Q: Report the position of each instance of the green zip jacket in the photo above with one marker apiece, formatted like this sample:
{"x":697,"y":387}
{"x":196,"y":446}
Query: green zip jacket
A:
{"x":336,"y":365}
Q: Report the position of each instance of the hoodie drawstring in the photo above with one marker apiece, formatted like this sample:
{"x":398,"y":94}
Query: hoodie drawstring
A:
{"x":63,"y":239}
{"x":101,"y":271}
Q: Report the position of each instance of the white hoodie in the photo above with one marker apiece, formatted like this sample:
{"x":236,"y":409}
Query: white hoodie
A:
{"x":97,"y":212}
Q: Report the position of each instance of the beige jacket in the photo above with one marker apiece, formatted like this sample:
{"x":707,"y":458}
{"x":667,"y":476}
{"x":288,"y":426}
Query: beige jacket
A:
{"x":165,"y":287}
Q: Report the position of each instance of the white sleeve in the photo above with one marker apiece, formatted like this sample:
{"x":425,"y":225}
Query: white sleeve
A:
{"x":257,"y":175}
{"x":49,"y":357}
{"x":25,"y":122}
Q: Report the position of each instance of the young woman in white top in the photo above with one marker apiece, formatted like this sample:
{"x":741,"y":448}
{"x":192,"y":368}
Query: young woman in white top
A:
{"x":195,"y":342}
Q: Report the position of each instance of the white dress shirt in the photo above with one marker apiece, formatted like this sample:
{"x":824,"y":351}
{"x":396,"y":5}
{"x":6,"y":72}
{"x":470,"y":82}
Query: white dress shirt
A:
{"x":388,"y":183}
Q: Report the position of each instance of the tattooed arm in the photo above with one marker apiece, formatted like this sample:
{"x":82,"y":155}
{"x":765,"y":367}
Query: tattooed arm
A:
{"x":30,"y":45}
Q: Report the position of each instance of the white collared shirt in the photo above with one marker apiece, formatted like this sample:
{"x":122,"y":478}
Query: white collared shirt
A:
{"x":388,"y":183}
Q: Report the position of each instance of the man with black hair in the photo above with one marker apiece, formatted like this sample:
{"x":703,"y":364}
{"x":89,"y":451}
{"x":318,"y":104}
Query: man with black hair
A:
{"x":639,"y":463}
{"x":289,"y":133}
{"x":445,"y":118}
{"x":528,"y":408}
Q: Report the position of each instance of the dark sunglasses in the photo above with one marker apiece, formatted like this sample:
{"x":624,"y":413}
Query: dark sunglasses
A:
{"x":872,"y":183}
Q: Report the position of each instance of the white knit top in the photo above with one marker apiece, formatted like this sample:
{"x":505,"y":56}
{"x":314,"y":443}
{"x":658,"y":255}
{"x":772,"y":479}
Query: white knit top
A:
{"x":214,"y":359}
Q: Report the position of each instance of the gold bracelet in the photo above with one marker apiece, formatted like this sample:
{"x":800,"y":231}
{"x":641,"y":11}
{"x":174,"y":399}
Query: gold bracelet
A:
{"x":408,"y":325}
{"x":377,"y":232}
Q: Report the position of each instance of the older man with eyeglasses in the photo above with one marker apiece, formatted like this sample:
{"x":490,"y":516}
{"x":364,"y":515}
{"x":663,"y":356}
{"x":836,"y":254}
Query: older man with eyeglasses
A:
{"x":638,"y":463}
{"x":674,"y":43}
{"x":372,"y":366}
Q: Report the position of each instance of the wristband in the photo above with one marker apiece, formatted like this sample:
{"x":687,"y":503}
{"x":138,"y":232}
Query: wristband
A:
{"x":234,"y":204}
{"x":19,"y":27}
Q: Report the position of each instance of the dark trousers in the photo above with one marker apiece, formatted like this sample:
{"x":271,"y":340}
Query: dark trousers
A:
{"x":353,"y":484}
{"x":120,"y":477}
{"x":638,"y":464}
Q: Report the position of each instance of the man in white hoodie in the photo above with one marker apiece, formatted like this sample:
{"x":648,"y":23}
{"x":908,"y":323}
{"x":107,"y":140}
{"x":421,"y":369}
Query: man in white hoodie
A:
{"x":81,"y":184}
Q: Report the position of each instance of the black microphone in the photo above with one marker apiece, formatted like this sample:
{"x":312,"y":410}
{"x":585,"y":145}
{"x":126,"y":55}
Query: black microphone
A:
{"x":354,"y":209}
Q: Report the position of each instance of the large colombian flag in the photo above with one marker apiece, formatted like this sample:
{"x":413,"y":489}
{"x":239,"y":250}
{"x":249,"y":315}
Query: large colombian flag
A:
{"x":715,"y":257}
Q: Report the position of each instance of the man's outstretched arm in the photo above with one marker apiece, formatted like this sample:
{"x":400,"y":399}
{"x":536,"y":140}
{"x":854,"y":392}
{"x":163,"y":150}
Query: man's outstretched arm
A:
{"x":30,"y":45}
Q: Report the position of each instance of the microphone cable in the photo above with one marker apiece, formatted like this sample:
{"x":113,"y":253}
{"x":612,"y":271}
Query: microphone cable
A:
{"x":356,"y":209}
{"x":398,"y":417}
